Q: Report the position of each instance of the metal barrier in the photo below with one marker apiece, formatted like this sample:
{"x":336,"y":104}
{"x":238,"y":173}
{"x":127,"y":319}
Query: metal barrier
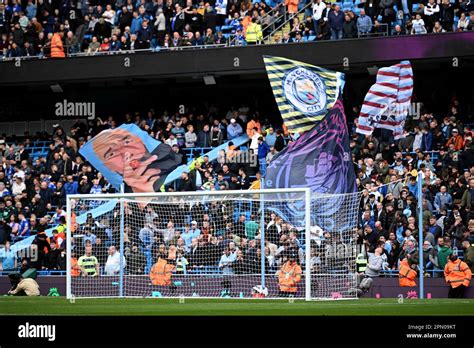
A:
{"x":369,"y":33}
{"x":287,"y":20}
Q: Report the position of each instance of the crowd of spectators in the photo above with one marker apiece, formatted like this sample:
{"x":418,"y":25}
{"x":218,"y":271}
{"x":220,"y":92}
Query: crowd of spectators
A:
{"x":437,"y":145}
{"x":59,"y":27}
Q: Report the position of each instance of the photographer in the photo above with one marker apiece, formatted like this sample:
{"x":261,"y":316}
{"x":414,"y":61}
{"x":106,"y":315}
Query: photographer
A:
{"x":23,"y":286}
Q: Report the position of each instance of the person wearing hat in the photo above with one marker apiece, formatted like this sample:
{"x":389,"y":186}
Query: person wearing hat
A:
{"x":456,"y":140}
{"x":458,"y":275}
{"x":234,"y":129}
{"x":289,"y":276}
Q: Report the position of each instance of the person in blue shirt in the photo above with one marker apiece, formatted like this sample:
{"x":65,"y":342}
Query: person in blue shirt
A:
{"x":89,"y":236}
{"x":413,"y":186}
{"x":234,"y":130}
{"x":71,"y":186}
{"x":187,"y":235}
{"x":96,"y":189}
{"x":24,"y":229}
{"x":263,"y":149}
{"x":270,"y":138}
{"x":7,"y":258}
{"x":443,"y":200}
{"x":136,"y":23}
{"x":196,"y":231}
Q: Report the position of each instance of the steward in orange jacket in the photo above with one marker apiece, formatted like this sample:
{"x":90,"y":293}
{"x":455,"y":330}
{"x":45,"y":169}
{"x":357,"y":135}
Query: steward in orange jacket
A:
{"x":253,"y":123}
{"x":406,"y":274}
{"x":57,"y":48}
{"x":458,"y":275}
{"x":292,"y":5}
{"x":75,"y":269}
{"x":161,"y":272}
{"x":288,"y":277}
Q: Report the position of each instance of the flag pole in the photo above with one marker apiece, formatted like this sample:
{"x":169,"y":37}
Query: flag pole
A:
{"x":420,"y":234}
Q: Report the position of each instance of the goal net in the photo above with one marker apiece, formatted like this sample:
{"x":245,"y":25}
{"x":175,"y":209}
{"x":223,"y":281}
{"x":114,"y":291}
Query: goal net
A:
{"x":221,"y":244}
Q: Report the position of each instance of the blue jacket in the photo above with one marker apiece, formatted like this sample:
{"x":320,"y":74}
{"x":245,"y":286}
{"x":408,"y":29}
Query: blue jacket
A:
{"x":270,"y":139}
{"x":263,"y":150}
{"x":233,"y":131}
{"x":427,"y":143}
{"x":336,"y":22}
{"x":364,"y":24}
{"x":70,"y":188}
{"x":437,"y":200}
{"x":136,"y":25}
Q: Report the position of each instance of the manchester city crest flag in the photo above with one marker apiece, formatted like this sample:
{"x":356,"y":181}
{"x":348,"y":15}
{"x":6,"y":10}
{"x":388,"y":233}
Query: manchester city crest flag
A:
{"x":304,"y":93}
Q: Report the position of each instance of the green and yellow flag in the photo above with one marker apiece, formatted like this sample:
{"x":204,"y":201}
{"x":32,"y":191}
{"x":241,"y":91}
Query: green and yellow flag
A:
{"x":303,"y":92}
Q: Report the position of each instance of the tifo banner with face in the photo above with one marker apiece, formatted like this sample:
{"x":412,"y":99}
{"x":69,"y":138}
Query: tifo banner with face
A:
{"x":129,"y":155}
{"x":320,"y":159}
{"x":303,"y":92}
{"x":387,"y":102}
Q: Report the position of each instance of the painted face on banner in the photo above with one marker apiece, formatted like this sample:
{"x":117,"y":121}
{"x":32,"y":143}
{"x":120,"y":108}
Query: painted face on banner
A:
{"x":118,"y":146}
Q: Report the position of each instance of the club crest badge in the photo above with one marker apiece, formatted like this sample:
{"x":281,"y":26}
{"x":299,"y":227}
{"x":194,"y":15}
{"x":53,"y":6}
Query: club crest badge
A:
{"x":305,"y":91}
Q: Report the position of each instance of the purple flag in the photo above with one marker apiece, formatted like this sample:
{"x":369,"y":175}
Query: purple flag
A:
{"x":319,"y":159}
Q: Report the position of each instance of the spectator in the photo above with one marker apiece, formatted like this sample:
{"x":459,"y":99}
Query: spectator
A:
{"x":349,"y":28}
{"x":234,"y":130}
{"x":112,"y":266}
{"x":88,"y":263}
{"x":336,"y":21}
{"x":226,"y":262}
{"x":364,"y":23}
{"x":418,"y":25}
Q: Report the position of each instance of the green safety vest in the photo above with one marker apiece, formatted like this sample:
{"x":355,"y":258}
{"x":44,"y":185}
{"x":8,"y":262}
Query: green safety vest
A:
{"x":361,"y":263}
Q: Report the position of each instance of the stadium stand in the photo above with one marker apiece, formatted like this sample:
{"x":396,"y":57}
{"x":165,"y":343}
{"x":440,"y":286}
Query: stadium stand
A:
{"x":37,"y":172}
{"x":41,"y":29}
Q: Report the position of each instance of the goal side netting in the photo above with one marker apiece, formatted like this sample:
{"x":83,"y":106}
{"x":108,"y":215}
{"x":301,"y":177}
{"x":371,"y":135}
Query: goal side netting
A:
{"x":272,"y":243}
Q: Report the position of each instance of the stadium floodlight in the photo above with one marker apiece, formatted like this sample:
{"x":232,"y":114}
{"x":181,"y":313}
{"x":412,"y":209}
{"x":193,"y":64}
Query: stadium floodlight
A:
{"x":207,"y":244}
{"x":209,"y":80}
{"x":372,"y":70}
{"x":56,"y":88}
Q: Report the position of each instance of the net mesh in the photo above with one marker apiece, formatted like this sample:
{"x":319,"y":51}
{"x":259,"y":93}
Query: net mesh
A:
{"x":209,"y":245}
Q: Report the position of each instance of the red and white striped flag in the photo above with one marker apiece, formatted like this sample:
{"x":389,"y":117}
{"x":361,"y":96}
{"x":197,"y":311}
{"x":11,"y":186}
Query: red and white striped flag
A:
{"x":387,"y":102}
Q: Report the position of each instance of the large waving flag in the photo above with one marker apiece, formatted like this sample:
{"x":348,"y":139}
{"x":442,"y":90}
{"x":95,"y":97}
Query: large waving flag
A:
{"x":320,"y":158}
{"x":387,"y":102}
{"x":304,"y":93}
{"x":129,"y":155}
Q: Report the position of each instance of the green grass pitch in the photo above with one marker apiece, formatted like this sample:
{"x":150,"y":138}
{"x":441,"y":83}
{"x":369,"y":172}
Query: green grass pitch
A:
{"x":160,"y":306}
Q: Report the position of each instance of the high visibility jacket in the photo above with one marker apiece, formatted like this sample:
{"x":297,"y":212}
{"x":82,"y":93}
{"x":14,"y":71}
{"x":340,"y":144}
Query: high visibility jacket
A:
{"x":254,"y":33}
{"x":160,"y":273}
{"x":251,"y":125}
{"x":73,"y":222}
{"x":361,"y":263}
{"x":289,"y":276}
{"x":406,"y":275}
{"x":292,"y":5}
{"x":57,"y":48}
{"x":75,"y":269}
{"x":457,"y":273}
{"x":285,"y":130}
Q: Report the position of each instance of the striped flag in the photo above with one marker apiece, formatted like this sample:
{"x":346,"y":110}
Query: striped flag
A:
{"x":303,"y":92}
{"x":387,"y":102}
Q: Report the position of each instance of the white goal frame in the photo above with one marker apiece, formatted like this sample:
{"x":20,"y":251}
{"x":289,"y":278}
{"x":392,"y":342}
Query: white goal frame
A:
{"x":306,"y":195}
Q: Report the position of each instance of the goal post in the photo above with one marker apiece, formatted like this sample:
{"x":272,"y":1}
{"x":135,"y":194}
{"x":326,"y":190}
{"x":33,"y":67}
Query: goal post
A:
{"x":205,"y":244}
